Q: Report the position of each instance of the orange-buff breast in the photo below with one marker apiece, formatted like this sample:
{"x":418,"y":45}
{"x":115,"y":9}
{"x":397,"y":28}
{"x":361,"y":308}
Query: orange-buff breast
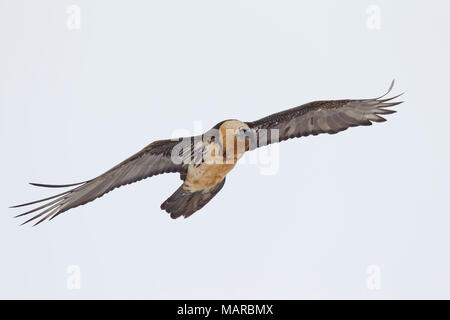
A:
{"x":206,"y":176}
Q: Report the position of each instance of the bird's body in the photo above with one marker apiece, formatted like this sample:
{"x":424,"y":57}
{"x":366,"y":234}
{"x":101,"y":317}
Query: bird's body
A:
{"x":206,"y":176}
{"x":216,"y":164}
{"x":204,"y":161}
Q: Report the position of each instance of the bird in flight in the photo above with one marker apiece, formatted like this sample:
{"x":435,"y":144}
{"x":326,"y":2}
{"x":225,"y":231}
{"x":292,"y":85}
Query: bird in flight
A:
{"x":204,"y":161}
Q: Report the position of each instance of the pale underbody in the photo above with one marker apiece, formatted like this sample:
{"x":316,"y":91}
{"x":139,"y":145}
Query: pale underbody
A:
{"x":206,"y":175}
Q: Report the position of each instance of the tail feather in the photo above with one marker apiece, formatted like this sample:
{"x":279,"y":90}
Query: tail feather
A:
{"x":184,"y":202}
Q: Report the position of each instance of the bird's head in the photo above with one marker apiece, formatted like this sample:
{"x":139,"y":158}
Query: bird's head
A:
{"x":234,"y":137}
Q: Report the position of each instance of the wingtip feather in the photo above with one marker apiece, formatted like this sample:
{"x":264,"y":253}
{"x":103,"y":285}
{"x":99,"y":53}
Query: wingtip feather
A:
{"x":43,"y":185}
{"x":388,"y":91}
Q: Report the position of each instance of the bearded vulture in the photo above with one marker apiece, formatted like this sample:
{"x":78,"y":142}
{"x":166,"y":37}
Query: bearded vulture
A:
{"x":203,"y":161}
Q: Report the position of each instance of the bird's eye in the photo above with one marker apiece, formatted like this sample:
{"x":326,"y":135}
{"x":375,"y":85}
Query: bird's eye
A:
{"x":242,"y":130}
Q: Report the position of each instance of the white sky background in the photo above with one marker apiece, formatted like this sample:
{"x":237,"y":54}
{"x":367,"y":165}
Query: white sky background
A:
{"x":74,"y":103}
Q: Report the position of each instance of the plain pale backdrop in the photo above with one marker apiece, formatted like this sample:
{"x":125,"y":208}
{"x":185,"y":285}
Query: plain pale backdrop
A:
{"x":74,"y":103}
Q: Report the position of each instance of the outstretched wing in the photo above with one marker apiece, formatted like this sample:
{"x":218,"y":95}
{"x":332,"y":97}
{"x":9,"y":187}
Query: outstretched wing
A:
{"x":154,"y":159}
{"x":317,"y":117}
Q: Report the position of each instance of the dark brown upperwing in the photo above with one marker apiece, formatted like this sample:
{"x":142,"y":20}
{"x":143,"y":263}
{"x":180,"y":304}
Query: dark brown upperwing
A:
{"x":317,"y":117}
{"x":152,"y":160}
